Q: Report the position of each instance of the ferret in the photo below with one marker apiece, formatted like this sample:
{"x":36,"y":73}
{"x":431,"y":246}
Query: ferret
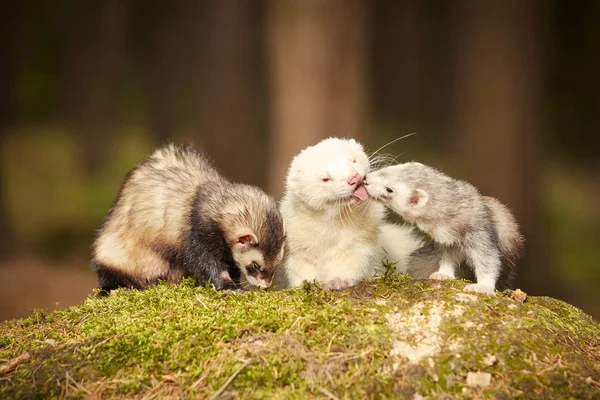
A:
{"x":464,"y":225}
{"x":332,"y":232}
{"x":175,"y":216}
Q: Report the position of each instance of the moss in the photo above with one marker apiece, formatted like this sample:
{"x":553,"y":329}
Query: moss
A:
{"x":390,"y":337}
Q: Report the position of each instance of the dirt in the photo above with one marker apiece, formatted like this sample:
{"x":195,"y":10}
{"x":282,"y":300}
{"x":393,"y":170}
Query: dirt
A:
{"x":30,"y":283}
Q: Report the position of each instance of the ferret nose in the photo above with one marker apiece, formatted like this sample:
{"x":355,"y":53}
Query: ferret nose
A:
{"x":354,"y":180}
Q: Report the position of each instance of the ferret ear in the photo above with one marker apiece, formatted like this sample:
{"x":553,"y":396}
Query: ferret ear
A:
{"x":418,"y":199}
{"x":355,"y":143}
{"x":245,"y":240}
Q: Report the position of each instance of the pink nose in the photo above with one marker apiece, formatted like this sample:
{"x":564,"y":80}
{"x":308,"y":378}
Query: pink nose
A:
{"x":354,"y":180}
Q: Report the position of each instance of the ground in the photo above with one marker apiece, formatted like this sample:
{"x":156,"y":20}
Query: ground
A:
{"x":392,"y":337}
{"x":32,"y":282}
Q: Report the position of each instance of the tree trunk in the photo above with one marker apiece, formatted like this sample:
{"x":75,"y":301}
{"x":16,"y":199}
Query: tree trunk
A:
{"x":317,"y":69}
{"x":497,"y":125}
{"x":173,"y":41}
{"x":9,"y":12}
{"x":228,"y":116}
{"x":95,"y":43}
{"x":398,"y":58}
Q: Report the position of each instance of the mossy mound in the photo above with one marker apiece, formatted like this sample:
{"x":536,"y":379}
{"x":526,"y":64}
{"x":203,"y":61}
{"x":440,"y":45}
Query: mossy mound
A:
{"x":388,"y":338}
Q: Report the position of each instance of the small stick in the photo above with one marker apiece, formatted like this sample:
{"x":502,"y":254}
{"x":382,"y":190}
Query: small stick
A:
{"x":231,"y":378}
{"x":328,"y":394}
{"x":197,"y":384}
{"x":14,"y":363}
{"x":76,"y":384}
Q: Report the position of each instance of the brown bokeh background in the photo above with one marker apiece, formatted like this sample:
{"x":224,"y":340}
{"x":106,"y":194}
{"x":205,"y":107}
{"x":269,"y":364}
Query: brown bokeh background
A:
{"x":505,"y":94}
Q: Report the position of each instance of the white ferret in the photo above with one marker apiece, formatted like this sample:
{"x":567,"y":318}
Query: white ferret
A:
{"x":464,"y":226}
{"x":332,"y":232}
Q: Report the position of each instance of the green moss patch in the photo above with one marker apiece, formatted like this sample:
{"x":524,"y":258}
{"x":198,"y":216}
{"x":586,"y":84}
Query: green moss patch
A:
{"x":387,"y":338}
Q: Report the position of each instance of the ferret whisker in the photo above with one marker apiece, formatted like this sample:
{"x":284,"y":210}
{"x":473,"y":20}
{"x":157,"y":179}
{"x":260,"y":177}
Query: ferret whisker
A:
{"x":360,"y":210}
{"x":367,"y":206}
{"x":383,"y":160}
{"x":392,"y":142}
{"x":392,"y":161}
{"x":349,"y":216}
{"x":364,"y":206}
{"x":388,"y":162}
{"x":339,"y":209}
{"x":377,"y":158}
{"x":343,"y":214}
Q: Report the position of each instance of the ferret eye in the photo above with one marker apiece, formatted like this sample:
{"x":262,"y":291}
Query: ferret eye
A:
{"x":256,"y":267}
{"x":354,"y":161}
{"x":389,"y":190}
{"x":326,"y":179}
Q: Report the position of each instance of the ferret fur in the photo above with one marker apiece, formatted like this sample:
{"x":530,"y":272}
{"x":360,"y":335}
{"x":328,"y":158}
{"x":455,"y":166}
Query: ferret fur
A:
{"x":465,"y":227}
{"x":332,"y":237}
{"x":396,"y":244}
{"x":175,"y":216}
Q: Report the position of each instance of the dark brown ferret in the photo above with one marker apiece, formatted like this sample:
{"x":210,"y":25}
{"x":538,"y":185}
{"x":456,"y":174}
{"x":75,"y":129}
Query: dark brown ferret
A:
{"x":175,"y":216}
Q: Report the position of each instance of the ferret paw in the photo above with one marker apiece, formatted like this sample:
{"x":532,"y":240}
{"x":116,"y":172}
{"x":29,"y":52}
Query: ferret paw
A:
{"x":440,"y":276}
{"x":476,"y":287}
{"x":334,"y":284}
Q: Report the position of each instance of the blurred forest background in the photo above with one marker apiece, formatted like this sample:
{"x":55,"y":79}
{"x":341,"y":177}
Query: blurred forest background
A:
{"x":505,"y":94}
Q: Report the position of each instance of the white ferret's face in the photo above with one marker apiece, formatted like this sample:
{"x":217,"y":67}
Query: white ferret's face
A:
{"x":395,"y":187}
{"x":329,"y":173}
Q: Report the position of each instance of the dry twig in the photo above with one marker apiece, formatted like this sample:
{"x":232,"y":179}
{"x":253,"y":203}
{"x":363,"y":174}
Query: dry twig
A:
{"x":11,"y":365}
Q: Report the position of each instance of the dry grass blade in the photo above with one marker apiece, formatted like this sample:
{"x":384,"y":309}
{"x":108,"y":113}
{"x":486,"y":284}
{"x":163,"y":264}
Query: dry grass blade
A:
{"x":168,"y":388}
{"x":329,"y":395}
{"x":196,"y":385}
{"x":74,"y":384}
{"x":231,"y":379}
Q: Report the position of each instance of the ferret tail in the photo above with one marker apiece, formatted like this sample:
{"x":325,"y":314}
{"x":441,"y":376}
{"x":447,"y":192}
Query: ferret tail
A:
{"x":510,"y":240}
{"x":109,"y":279}
{"x":424,"y":261}
{"x":509,"y":237}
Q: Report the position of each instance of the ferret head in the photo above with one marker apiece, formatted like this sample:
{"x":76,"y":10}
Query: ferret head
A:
{"x":255,"y":233}
{"x":401,"y":188}
{"x":328,"y":173}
